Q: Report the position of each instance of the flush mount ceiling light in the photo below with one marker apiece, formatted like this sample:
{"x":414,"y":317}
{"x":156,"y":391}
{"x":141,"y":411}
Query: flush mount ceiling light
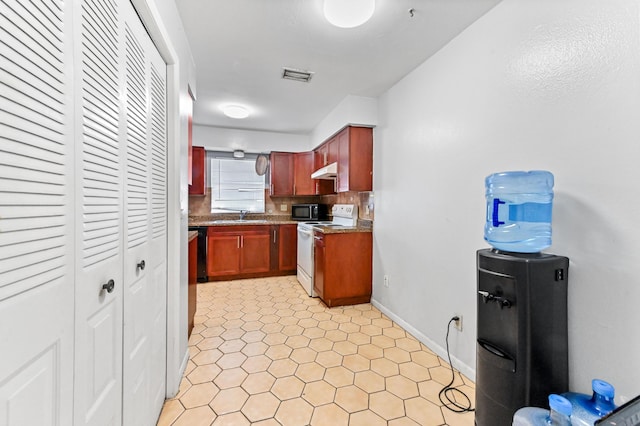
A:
{"x":235,"y":111}
{"x":348,"y":13}
{"x":238,"y":153}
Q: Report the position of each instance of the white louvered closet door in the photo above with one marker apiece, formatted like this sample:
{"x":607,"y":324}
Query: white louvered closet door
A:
{"x":158,"y":255}
{"x":36,"y":214}
{"x":145,"y":228}
{"x":99,"y":199}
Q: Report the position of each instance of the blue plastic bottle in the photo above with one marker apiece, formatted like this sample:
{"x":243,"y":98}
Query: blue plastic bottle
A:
{"x":589,"y":408}
{"x":519,"y":206}
{"x":558,"y":414}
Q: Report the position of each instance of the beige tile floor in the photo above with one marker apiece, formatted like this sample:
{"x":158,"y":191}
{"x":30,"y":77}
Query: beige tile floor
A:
{"x":264,"y":353}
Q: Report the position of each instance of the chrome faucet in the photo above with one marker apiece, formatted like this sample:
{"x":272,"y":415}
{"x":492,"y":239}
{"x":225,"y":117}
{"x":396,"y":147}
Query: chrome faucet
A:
{"x":243,"y":213}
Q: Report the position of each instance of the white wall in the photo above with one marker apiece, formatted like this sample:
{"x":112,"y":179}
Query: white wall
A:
{"x":162,"y":20}
{"x":549,"y":85}
{"x":355,"y":110}
{"x":224,"y":139}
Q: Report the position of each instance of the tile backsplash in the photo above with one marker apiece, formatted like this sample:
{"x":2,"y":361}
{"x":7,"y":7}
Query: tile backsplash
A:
{"x":200,"y":205}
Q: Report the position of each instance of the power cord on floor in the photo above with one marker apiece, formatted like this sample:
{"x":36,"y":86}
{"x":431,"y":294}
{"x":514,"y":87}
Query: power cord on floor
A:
{"x":448,"y":392}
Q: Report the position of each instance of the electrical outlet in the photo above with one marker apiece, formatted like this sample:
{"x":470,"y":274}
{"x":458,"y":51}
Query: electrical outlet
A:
{"x":458,"y":324}
{"x":283,"y":207}
{"x":386,"y":280}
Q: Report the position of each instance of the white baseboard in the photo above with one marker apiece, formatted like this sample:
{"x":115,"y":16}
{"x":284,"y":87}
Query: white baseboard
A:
{"x":467,"y":370}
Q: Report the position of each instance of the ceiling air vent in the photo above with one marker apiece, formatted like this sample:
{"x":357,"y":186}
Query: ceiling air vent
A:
{"x":297,"y":75}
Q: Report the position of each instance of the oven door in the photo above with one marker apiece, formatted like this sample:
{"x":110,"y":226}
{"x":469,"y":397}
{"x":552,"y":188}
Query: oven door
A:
{"x":305,"y":259}
{"x":305,"y":250}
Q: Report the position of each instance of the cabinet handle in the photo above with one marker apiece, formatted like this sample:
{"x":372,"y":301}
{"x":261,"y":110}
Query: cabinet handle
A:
{"x":109,"y":286}
{"x":141,"y":265}
{"x":274,"y":236}
{"x":238,"y":241}
{"x":242,"y":241}
{"x":294,"y":189}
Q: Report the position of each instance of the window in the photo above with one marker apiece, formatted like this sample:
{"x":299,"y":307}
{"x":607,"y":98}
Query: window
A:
{"x":236,"y":186}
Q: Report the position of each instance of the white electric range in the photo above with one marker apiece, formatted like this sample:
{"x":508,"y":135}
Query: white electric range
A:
{"x":345,"y":216}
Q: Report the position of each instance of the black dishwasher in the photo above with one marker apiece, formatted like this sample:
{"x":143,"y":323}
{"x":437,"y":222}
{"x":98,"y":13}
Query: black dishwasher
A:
{"x":202,"y":252}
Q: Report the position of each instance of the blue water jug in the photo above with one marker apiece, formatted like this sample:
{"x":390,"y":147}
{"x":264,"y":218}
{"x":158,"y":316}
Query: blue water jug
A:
{"x":558,"y":414}
{"x":519,"y":208}
{"x":589,"y":408}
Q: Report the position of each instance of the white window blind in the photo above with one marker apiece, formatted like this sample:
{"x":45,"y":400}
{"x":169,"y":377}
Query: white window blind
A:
{"x":236,"y":186}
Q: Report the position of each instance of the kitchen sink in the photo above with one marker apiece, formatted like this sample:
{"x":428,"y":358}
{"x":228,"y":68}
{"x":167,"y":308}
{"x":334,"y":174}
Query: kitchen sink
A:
{"x":231,"y":221}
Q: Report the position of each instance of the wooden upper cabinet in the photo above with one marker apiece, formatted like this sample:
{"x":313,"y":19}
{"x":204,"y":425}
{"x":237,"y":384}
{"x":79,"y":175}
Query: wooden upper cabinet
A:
{"x":326,"y":153}
{"x":281,"y":174}
{"x":355,"y":159}
{"x":198,"y":174}
{"x":321,"y":154}
{"x":332,"y":150}
{"x":304,"y":165}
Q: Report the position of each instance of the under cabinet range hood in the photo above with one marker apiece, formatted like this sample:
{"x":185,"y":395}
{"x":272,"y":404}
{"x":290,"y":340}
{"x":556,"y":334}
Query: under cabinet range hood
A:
{"x":330,"y":171}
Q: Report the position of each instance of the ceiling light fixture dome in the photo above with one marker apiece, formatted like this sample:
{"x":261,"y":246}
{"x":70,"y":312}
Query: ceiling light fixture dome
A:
{"x":235,"y":111}
{"x":348,"y":13}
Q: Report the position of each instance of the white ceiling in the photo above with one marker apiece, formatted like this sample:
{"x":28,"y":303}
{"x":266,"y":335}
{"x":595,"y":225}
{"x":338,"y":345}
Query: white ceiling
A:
{"x":241,"y":46}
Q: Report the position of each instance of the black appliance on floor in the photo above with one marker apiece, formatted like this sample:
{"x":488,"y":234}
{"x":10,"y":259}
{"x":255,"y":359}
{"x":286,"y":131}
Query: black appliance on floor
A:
{"x":202,"y":252}
{"x":522,"y":333}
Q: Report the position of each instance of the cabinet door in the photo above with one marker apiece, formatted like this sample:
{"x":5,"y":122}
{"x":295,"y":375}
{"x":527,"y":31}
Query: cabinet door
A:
{"x":254,"y":251}
{"x":303,"y":165}
{"x":193,"y":280}
{"x":197,"y":186}
{"x":355,"y":159}
{"x":288,"y":247}
{"x":320,"y":156}
{"x":281,"y":174}
{"x":342,"y":141}
{"x":223,"y":253}
{"x":332,"y":150}
{"x":319,"y":265}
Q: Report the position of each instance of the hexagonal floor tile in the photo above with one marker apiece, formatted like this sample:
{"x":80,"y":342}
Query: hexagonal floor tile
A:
{"x":319,"y":393}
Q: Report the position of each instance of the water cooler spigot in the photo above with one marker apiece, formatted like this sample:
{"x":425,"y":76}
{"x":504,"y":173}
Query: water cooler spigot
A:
{"x":501,"y":301}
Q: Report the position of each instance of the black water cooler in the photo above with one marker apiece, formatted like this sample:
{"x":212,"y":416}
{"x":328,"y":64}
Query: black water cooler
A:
{"x":522,"y":333}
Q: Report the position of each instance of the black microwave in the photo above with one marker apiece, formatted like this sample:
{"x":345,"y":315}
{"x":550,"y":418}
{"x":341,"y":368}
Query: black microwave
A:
{"x":309,"y":212}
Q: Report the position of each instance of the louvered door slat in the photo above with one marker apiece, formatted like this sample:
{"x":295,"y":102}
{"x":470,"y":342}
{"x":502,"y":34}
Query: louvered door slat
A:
{"x":27,"y":32}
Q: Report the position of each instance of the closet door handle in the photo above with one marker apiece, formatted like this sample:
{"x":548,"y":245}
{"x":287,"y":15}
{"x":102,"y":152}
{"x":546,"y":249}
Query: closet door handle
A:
{"x":109,"y":286}
{"x":141,"y":265}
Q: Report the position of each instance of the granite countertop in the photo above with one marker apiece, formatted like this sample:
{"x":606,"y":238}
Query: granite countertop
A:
{"x":260,"y":220}
{"x":233,"y":220}
{"x":342,"y":229}
{"x":192,"y":235}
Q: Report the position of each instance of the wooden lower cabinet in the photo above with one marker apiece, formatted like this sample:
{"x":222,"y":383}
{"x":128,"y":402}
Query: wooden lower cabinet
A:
{"x":241,"y":251}
{"x":193,"y":281}
{"x":287,"y":243}
{"x":343,"y":267}
{"x":237,"y":250}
